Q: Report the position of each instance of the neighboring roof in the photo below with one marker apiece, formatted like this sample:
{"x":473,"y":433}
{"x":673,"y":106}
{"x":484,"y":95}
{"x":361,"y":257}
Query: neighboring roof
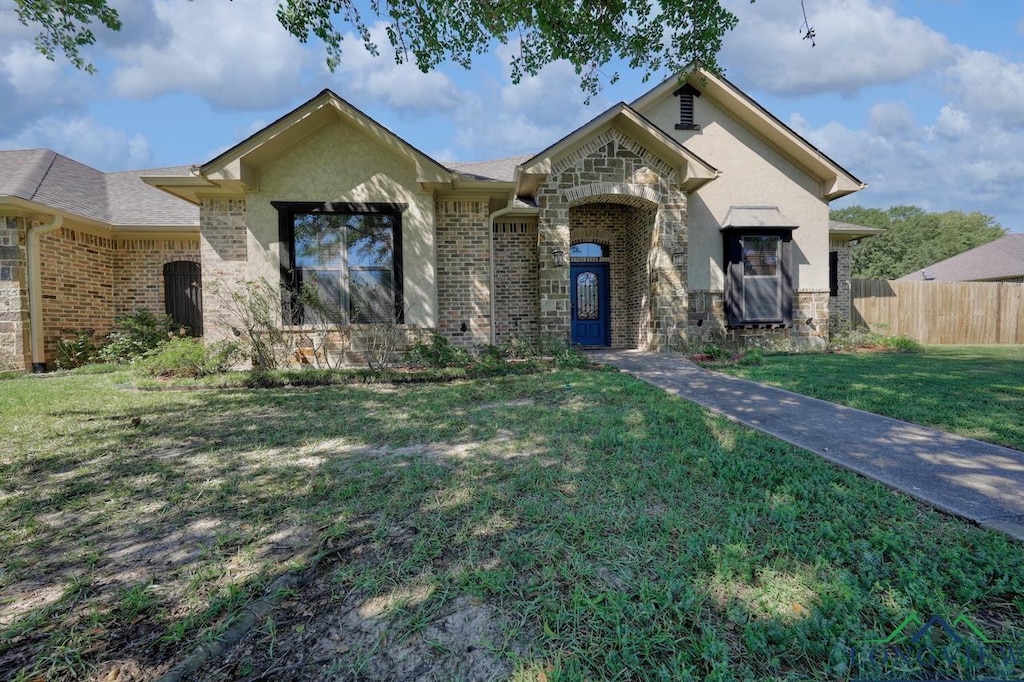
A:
{"x":837,"y":180}
{"x":56,"y":182}
{"x":756,"y":216}
{"x":840,"y":230}
{"x":503,"y":170}
{"x":999,"y":259}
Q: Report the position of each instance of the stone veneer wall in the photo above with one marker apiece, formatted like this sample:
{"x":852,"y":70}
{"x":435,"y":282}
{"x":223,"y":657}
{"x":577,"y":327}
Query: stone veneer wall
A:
{"x":463,"y":271}
{"x":707,"y":309}
{"x":840,"y":306}
{"x":77,"y":284}
{"x":139,"y":270}
{"x":515,"y":281}
{"x":14,"y":344}
{"x":612,"y":168}
{"x":223,"y":252}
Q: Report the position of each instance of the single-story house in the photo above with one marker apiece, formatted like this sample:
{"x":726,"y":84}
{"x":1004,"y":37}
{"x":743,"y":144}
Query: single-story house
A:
{"x":689,"y":214}
{"x":1001,"y":260}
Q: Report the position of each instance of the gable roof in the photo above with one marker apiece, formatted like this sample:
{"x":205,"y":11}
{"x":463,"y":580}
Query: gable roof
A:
{"x":693,"y":171}
{"x":50,"y":181}
{"x":503,"y":170}
{"x":841,"y":231}
{"x":999,"y":259}
{"x":236,"y":169}
{"x":836,"y":180}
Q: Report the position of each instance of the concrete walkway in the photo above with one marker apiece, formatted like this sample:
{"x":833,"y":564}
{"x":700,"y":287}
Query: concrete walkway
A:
{"x":978,"y":481}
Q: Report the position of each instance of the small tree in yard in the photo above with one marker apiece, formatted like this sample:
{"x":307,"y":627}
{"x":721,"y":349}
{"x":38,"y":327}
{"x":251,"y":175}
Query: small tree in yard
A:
{"x":255,"y":307}
{"x":328,"y":337}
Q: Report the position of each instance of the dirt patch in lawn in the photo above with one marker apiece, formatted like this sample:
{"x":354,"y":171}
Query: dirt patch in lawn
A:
{"x":329,"y":630}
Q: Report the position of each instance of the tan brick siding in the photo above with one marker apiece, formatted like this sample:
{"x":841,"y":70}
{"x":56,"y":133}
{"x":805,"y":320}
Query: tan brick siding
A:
{"x":515,"y":281}
{"x":223,"y":252}
{"x":138,"y":270}
{"x":77,"y":287}
{"x":839,"y":306}
{"x":463,"y":272}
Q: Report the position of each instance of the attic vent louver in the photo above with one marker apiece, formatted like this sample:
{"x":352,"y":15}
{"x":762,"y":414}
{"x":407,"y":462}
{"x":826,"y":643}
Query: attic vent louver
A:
{"x":686,"y":94}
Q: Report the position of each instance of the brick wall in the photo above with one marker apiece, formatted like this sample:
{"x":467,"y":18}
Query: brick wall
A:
{"x":138,"y":270}
{"x":840,"y":306}
{"x":77,"y":284}
{"x":223,"y":252}
{"x":14,"y":348}
{"x":515,"y":281}
{"x":463,"y":272}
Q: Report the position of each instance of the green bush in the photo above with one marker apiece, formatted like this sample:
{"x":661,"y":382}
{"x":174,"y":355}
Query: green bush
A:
{"x":439,"y":353}
{"x":186,"y":357}
{"x":751,"y":356}
{"x":136,"y":334}
{"x":715,"y":352}
{"x":901,"y":343}
{"x":80,"y":349}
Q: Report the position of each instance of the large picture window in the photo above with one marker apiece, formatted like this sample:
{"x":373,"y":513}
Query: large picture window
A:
{"x":348,"y":254}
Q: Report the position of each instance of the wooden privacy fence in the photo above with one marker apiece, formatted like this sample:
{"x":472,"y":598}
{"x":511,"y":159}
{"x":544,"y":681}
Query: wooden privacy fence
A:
{"x":942,"y":312}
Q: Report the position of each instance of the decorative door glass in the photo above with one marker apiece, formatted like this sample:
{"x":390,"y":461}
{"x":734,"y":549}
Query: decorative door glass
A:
{"x":587,"y":299}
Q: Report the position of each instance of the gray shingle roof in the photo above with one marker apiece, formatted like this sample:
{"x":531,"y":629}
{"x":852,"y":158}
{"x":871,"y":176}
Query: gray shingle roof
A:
{"x":999,"y":259}
{"x":54,"y":180}
{"x":497,"y":169}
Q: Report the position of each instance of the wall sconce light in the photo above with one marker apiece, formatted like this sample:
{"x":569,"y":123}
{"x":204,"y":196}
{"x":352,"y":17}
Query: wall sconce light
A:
{"x":558,"y":257}
{"x":679,"y":259}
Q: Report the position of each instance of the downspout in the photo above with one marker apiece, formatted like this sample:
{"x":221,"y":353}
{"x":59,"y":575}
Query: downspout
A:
{"x":35,"y":290}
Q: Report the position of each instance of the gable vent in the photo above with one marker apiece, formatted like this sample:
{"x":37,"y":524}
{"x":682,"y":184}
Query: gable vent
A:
{"x":686,"y":95}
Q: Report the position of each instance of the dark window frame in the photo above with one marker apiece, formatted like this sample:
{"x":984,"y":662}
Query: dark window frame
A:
{"x":286,"y":212}
{"x":735,"y":277}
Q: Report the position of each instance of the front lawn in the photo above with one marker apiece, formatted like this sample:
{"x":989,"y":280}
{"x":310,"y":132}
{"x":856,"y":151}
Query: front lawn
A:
{"x":975,"y":391}
{"x":567,"y":525}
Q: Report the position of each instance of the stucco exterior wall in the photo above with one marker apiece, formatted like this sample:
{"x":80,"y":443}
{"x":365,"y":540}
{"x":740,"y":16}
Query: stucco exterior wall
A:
{"x":753,"y":173}
{"x":338,"y":163}
{"x":14,"y":344}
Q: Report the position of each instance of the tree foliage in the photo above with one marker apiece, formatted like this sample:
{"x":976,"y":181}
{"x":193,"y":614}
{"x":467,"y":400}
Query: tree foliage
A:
{"x":913,"y":238}
{"x":653,"y":37}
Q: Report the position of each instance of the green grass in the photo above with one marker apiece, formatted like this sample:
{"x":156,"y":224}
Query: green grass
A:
{"x":975,"y":391}
{"x":613,"y":531}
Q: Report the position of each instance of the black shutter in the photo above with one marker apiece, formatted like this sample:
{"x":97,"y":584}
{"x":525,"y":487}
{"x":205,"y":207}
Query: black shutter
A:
{"x":787,"y":280}
{"x":733,"y":281}
{"x":183,"y":295}
{"x":833,"y":273}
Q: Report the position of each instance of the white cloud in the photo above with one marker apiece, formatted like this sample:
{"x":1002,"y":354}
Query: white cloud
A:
{"x":524,"y":117}
{"x":938,"y":167}
{"x":859,"y":43}
{"x":31,"y":85}
{"x":85,"y":140}
{"x":379,"y":79}
{"x":234,"y":55}
{"x":989,"y":85}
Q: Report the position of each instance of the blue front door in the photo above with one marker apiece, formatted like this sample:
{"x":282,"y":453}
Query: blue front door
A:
{"x":588,"y":294}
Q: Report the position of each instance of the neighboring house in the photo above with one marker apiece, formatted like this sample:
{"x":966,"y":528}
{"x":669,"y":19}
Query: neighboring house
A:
{"x":1001,"y":260}
{"x":691,"y":213}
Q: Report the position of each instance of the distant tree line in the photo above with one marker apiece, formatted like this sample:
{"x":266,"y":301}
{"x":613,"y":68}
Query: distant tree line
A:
{"x":913,"y":238}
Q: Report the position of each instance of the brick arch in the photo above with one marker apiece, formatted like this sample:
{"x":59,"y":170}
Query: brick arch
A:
{"x":628,"y":193}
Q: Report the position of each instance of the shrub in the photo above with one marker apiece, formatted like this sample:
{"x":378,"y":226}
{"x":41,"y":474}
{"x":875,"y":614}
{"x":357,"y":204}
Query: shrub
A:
{"x":714,"y":352}
{"x":136,"y":334}
{"x":78,"y":350}
{"x":255,"y":307}
{"x":439,"y":352}
{"x":901,"y":343}
{"x":751,"y":356}
{"x":190,"y":358}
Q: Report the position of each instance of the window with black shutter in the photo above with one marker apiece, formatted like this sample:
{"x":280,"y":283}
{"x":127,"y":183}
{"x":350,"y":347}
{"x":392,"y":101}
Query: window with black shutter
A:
{"x":759,"y":278}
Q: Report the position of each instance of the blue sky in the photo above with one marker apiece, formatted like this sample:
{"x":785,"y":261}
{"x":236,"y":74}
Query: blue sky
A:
{"x":922,"y":99}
